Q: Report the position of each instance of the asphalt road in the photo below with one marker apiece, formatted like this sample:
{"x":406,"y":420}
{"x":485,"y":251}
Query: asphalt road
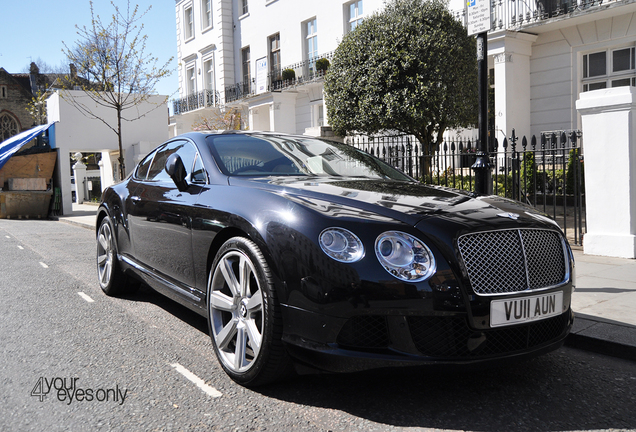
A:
{"x":74,"y":359}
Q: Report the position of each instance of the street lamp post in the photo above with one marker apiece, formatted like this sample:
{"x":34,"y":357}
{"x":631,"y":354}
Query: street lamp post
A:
{"x":482,"y":166}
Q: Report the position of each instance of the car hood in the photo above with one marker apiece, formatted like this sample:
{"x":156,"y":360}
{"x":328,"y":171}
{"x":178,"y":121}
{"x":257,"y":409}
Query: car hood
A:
{"x":407,"y":202}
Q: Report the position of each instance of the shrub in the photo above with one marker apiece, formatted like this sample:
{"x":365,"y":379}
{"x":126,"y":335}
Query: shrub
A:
{"x":322,"y":65}
{"x":288,"y":75}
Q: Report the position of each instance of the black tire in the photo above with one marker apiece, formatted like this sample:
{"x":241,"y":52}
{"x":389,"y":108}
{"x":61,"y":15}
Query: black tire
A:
{"x":244,"y":316}
{"x":112,"y":279}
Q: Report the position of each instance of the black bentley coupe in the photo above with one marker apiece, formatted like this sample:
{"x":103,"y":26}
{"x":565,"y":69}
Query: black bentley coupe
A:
{"x":305,"y":251}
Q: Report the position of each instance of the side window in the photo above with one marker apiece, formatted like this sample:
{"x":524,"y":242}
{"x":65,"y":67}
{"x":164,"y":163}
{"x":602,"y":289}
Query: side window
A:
{"x":142,"y":168}
{"x":189,"y":156}
{"x":198,"y":172}
{"x":157,"y":171}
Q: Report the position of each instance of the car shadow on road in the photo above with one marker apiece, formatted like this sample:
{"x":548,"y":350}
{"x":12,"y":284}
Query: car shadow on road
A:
{"x":147,"y":295}
{"x":555,"y":392}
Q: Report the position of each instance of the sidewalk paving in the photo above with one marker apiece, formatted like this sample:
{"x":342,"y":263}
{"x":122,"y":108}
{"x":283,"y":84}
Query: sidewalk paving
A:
{"x":604,"y":302}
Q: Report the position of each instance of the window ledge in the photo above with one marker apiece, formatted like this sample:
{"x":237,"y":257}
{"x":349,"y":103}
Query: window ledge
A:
{"x":244,"y":16}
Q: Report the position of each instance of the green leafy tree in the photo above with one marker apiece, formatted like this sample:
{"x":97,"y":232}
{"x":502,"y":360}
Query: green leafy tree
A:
{"x":117,"y":71}
{"x":410,"y":68}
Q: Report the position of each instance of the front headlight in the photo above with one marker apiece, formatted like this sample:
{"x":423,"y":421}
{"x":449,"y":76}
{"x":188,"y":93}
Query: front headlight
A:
{"x":404,"y":256}
{"x":341,"y":245}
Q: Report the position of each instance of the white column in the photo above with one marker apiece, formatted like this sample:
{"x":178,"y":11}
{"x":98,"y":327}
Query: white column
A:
{"x":511,"y":54}
{"x":609,"y":141}
{"x":79,"y":170}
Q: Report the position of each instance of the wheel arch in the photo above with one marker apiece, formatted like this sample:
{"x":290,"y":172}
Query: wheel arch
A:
{"x":253,"y":235}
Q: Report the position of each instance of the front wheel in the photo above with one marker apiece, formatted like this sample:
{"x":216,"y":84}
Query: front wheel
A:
{"x":244,"y":316}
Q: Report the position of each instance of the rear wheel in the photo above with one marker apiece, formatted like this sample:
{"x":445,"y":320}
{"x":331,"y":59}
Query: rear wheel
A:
{"x":112,"y":280}
{"x":244,"y":315}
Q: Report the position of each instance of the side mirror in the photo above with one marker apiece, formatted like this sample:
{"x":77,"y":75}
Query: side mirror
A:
{"x":177,"y":172}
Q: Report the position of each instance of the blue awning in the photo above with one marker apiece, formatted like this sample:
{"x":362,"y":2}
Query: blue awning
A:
{"x":9,"y":147}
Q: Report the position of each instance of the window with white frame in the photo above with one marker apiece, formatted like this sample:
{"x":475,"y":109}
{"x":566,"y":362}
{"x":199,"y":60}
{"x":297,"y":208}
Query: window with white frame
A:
{"x":311,"y":44}
{"x":245,"y":61}
{"x":191,"y":79}
{"x":353,"y":12}
{"x":188,"y":22}
{"x":274,"y":57}
{"x":206,"y":14}
{"x":244,"y":7}
{"x":609,"y":68}
{"x":208,"y":77}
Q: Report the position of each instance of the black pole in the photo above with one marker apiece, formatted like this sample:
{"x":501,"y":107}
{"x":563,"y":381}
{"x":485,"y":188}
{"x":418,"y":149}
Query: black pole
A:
{"x":482,"y":166}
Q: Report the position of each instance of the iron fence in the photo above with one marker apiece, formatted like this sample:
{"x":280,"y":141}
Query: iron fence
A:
{"x":305,"y":72}
{"x":202,"y":99}
{"x":514,"y":14}
{"x":544,"y":172}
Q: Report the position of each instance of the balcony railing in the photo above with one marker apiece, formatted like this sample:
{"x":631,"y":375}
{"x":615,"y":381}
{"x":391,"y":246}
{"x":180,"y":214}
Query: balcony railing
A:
{"x":511,"y":14}
{"x":305,"y":72}
{"x":239,"y":91}
{"x":202,"y":99}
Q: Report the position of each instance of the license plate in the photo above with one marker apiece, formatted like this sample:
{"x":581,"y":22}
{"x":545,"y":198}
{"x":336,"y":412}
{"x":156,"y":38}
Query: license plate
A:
{"x":525,"y":309}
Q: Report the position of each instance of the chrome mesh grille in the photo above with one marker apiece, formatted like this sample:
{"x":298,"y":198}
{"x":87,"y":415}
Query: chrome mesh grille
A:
{"x":506,"y":261}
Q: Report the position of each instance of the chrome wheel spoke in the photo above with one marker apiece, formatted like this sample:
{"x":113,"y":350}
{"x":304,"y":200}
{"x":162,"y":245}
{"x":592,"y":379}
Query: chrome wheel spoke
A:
{"x":226,"y":335}
{"x":241,"y":348}
{"x":255,"y":303}
{"x":254,"y":336}
{"x":103,"y":241}
{"x":220,"y":301}
{"x":228,"y":274}
{"x":105,"y":273}
{"x":244,"y":273}
{"x":101,"y":259}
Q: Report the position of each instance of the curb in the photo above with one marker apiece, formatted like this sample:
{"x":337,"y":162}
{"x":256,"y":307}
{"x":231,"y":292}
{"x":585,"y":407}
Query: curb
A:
{"x":602,"y":336}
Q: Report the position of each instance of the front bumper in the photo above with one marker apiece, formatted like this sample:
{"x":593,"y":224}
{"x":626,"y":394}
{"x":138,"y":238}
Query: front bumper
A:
{"x":365,"y":342}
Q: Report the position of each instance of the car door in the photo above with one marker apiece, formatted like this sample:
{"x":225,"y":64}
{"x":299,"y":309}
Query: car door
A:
{"x":160,"y":217}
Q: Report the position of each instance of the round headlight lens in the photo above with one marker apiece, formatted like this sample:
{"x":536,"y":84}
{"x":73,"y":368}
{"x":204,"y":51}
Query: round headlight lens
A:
{"x":404,"y":256}
{"x":341,"y":245}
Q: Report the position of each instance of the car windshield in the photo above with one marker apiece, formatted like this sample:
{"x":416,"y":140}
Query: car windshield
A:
{"x":270,"y":155}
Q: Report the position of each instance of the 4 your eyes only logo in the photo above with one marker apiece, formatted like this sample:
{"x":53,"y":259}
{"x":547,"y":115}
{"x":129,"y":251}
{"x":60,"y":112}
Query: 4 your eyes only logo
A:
{"x":67,"y":390}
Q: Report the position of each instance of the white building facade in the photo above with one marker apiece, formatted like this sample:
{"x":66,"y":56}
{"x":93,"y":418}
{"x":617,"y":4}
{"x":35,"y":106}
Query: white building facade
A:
{"x":234,"y":54}
{"x":75,"y":133}
{"x":542,"y":55}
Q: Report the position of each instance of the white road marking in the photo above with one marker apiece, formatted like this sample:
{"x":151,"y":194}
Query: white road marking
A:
{"x":43,"y":265}
{"x":85,"y":297}
{"x":210,"y":391}
{"x":7,"y":236}
{"x":20,"y":247}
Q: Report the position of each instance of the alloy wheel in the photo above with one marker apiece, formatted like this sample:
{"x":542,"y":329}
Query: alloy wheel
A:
{"x":105,"y":254}
{"x":236,"y":311}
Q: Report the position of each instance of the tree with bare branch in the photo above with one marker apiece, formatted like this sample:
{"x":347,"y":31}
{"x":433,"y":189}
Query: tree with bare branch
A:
{"x":118,"y":73}
{"x":230,"y":119}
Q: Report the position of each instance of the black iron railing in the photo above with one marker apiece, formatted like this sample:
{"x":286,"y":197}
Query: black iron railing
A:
{"x":511,"y":14}
{"x":277,"y":80}
{"x":544,"y":172}
{"x":202,"y":99}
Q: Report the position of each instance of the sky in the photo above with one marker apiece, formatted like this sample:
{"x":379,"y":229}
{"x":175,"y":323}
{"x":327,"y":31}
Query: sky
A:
{"x":38,"y":28}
